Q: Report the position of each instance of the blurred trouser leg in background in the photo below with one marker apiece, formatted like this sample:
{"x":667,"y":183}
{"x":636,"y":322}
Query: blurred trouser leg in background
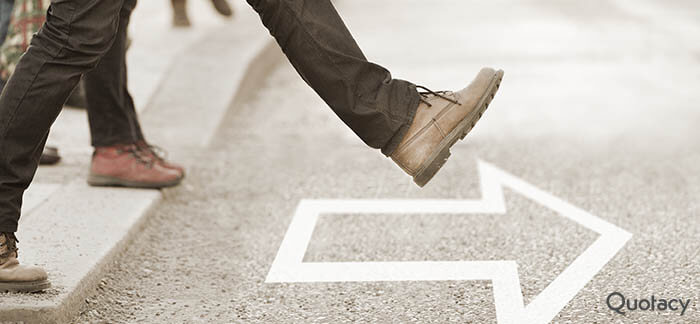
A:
{"x":6,"y":7}
{"x":111,"y":112}
{"x":180,"y":15}
{"x":376,"y":107}
{"x":24,"y":18}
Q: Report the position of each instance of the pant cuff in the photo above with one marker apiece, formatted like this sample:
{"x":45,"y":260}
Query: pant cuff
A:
{"x":8,"y":229}
{"x":398,"y":136}
{"x":116,"y":141}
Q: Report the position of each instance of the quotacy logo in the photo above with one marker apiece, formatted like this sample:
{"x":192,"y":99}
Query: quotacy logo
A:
{"x":618,"y":303}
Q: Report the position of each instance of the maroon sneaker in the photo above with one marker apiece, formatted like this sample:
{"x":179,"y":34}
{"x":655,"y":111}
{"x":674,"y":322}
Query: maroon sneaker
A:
{"x":130,"y":166}
{"x":158,"y":154}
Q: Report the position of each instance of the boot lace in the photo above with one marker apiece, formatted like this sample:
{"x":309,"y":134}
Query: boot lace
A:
{"x":140,"y":154}
{"x":155,"y":151}
{"x":427,"y":93}
{"x":11,"y":244}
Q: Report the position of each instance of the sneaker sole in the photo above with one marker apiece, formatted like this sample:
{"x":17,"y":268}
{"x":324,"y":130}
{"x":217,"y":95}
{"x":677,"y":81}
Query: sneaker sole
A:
{"x":107,"y":181}
{"x":24,"y":287}
{"x":440,"y":156}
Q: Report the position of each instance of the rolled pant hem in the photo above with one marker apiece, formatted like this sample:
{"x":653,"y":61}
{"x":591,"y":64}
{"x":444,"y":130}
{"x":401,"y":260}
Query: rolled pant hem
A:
{"x":116,"y":141}
{"x":398,"y":136}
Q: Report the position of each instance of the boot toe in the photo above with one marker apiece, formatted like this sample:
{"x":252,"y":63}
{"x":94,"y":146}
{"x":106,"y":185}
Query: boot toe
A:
{"x":479,"y":87}
{"x":32,"y":273}
{"x":22,"y":273}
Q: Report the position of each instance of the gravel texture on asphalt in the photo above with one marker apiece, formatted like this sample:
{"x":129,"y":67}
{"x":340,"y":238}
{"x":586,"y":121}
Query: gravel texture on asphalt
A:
{"x":207,"y":249}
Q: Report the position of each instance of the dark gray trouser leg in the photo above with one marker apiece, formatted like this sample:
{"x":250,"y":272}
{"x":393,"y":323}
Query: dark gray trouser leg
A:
{"x":76,"y":34}
{"x":378,"y":108}
{"x":113,"y":119}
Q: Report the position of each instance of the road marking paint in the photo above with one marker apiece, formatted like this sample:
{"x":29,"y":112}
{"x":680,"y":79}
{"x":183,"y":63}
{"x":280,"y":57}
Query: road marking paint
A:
{"x":288,"y":265}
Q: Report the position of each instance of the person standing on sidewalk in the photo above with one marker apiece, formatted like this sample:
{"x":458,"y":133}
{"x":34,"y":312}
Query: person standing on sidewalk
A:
{"x":416,"y":129}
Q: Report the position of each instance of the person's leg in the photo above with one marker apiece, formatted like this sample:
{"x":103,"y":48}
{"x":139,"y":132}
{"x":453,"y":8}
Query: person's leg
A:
{"x":110,"y":108}
{"x":76,"y":34}
{"x":415,"y":129}
{"x":122,"y":156}
{"x":6,"y":7}
{"x":378,"y":108}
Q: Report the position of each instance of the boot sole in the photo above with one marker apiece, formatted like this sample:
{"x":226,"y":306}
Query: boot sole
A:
{"x":107,"y":181}
{"x":24,"y":287}
{"x":440,"y":156}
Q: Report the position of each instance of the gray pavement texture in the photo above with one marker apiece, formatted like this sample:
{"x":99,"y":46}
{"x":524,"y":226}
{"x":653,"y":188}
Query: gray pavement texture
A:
{"x":598,"y":107}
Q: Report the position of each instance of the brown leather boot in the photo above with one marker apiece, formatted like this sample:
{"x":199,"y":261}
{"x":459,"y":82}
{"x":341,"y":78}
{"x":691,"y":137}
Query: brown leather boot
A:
{"x":15,"y":277}
{"x":443,"y":118}
{"x":180,"y":18}
{"x":222,"y":7}
{"x":130,"y":166}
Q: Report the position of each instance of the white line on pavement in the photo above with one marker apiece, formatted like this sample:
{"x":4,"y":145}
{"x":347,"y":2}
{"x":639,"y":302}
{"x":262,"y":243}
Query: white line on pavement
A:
{"x":288,"y":265}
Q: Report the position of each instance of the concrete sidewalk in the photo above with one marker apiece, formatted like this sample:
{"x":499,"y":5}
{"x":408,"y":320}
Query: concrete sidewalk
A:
{"x":75,"y":231}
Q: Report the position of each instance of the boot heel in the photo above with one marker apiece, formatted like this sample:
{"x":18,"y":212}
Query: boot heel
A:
{"x":424,"y":176}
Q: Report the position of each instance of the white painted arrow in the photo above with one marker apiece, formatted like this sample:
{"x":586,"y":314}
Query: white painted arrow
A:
{"x":289,"y":266}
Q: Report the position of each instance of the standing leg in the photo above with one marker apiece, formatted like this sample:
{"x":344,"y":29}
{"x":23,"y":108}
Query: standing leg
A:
{"x":111,"y":112}
{"x":122,"y":156}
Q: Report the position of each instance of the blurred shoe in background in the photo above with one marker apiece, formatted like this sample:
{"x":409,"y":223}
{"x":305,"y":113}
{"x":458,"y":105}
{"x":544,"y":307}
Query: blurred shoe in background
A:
{"x":180,"y":18}
{"x":49,"y":156}
{"x":222,"y":7}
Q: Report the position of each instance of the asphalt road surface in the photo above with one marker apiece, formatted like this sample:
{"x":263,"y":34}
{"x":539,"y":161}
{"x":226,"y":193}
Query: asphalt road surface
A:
{"x":598,"y":107}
